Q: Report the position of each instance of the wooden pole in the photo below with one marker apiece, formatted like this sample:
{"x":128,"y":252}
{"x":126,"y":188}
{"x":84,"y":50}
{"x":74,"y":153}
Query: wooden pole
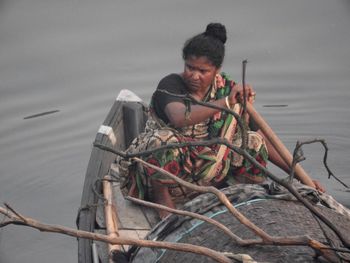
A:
{"x":279,"y":146}
{"x":110,"y":216}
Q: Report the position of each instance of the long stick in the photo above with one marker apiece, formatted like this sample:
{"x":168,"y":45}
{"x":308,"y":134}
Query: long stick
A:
{"x":14,"y":219}
{"x":266,"y":238}
{"x":279,"y":146}
{"x":110,"y":215}
{"x":220,"y":195}
{"x":209,"y":220}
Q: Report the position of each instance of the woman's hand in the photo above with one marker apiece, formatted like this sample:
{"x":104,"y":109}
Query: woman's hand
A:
{"x":236,"y":94}
{"x":319,"y":186}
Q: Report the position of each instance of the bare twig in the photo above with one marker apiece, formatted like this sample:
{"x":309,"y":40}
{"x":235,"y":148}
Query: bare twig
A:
{"x":280,"y":241}
{"x":13,"y":211}
{"x":222,"y":197}
{"x":226,"y":230}
{"x":244,"y":66}
{"x":297,"y":195}
{"x":252,"y":160}
{"x":297,"y":158}
{"x":14,"y":219}
{"x":4,"y":222}
{"x":297,"y":151}
{"x":163,"y":147}
{"x":266,"y":238}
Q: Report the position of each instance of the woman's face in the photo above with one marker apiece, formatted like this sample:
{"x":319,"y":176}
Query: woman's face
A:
{"x":199,"y":74}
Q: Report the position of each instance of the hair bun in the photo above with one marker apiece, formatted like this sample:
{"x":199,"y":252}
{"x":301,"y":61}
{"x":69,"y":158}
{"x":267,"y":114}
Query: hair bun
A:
{"x":216,"y":30}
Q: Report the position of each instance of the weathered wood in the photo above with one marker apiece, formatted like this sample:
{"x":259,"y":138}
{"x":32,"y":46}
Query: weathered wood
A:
{"x":130,"y":216}
{"x":114,"y":171}
{"x":151,"y":215}
{"x":12,"y":217}
{"x":110,"y":214}
{"x":137,"y":234}
{"x":95,"y":258}
{"x":102,"y":247}
{"x":111,"y":133}
{"x":134,"y":125}
{"x":100,"y":215}
{"x":98,"y":166}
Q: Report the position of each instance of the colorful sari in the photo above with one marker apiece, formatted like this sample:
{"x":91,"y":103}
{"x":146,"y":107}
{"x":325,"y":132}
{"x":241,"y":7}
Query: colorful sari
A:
{"x":192,"y":163}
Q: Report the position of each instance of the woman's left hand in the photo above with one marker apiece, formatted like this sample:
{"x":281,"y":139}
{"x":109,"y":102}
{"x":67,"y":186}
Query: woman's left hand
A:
{"x":319,"y":186}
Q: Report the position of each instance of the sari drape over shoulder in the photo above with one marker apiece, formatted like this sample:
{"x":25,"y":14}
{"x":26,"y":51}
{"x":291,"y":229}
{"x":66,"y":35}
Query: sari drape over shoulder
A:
{"x":192,"y":163}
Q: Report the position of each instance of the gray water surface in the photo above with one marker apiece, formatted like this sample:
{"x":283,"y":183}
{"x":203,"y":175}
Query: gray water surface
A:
{"x":70,"y":59}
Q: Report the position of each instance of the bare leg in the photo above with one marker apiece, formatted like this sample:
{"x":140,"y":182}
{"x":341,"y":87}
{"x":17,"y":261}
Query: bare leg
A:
{"x":161,"y":196}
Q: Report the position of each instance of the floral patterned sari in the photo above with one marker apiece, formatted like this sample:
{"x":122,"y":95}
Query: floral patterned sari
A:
{"x":192,"y":163}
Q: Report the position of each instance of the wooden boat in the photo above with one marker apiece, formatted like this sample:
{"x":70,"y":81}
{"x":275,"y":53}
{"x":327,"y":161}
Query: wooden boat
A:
{"x":124,"y":122}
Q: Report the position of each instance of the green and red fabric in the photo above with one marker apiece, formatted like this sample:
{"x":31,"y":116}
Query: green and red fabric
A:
{"x":192,"y":163}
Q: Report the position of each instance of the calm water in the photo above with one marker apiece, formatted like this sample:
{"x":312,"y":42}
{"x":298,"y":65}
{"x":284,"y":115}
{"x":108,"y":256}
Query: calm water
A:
{"x":73,"y":57}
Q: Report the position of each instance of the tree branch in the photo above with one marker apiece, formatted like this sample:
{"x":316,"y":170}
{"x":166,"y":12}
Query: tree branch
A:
{"x":221,"y":196}
{"x":14,"y":219}
{"x":226,"y":230}
{"x":324,"y":250}
{"x":251,"y":159}
{"x":298,"y":149}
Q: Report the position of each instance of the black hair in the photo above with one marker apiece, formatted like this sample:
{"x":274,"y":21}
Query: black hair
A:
{"x":210,"y":44}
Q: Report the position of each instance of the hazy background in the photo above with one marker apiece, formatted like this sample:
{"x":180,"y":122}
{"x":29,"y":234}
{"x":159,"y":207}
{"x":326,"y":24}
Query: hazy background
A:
{"x":74,"y":56}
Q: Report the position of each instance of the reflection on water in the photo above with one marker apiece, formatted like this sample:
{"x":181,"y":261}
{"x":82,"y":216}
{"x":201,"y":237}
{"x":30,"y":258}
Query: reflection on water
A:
{"x":66,"y":61}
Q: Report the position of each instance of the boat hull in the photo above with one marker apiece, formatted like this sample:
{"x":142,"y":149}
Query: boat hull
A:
{"x":277,"y":217}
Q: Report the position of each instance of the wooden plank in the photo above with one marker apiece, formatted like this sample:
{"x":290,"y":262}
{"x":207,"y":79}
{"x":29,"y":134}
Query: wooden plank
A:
{"x":114,"y":171}
{"x":130,"y":216}
{"x":100,"y":215}
{"x":110,"y":213}
{"x":151,"y":215}
{"x":102,"y":248}
{"x":137,"y":234}
{"x":129,"y":234}
{"x":142,"y":233}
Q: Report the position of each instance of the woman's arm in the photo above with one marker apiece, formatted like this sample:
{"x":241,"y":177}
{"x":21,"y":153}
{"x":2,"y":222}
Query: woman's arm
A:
{"x":176,"y":111}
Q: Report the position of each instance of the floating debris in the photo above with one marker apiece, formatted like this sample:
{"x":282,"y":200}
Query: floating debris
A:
{"x":40,"y":114}
{"x":276,"y":105}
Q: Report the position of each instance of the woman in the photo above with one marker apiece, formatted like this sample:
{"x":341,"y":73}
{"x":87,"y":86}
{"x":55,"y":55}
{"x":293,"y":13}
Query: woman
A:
{"x":174,"y":120}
